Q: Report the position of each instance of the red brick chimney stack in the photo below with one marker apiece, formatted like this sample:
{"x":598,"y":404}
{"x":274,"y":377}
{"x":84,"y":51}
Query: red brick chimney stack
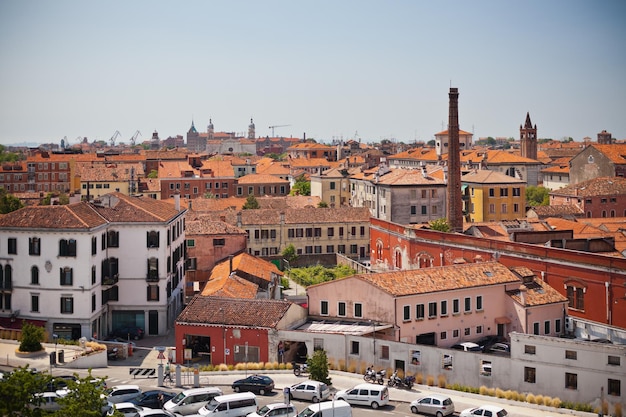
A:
{"x":455,"y":202}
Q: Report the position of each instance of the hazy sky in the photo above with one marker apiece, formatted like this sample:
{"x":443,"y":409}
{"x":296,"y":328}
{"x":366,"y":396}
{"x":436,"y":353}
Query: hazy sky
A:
{"x":326,"y":68}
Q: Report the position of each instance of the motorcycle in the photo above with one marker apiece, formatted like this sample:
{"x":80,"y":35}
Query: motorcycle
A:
{"x":406,"y":382}
{"x":112,"y":354}
{"x":380,"y":376}
{"x":370,"y":375}
{"x":299,"y":369}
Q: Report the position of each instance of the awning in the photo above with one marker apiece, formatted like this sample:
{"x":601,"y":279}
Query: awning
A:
{"x":503,"y":320}
{"x":463,"y":188}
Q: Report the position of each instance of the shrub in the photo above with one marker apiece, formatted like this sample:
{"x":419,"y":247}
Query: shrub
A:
{"x":419,"y":378}
{"x":618,"y":410}
{"x":547,"y":400}
{"x":510,"y":395}
{"x":352,"y":367}
{"x":499,"y":393}
{"x":605,"y":407}
{"x":556,"y":402}
{"x":430,"y":380}
{"x":539,"y":399}
{"x":530,"y":398}
{"x":32,"y":336}
{"x":441,"y":381}
{"x":341,"y":365}
{"x":222,"y":367}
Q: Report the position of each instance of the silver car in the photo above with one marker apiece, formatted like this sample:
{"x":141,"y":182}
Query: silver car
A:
{"x":436,"y":405}
{"x":314,"y":391}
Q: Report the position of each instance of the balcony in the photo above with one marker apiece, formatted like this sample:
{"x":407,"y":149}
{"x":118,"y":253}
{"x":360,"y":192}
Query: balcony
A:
{"x":110,"y":280}
{"x":152,"y":277}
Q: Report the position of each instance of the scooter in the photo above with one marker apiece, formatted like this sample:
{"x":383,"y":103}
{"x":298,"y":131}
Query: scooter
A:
{"x":394,"y":380}
{"x":299,"y":369}
{"x":112,"y":354}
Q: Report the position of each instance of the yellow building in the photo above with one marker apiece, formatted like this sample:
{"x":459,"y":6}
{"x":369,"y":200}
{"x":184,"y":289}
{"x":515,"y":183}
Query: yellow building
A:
{"x":490,"y":196}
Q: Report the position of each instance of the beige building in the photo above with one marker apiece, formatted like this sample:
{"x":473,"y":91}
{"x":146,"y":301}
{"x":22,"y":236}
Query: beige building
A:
{"x":100,"y":178}
{"x":332,"y":187}
{"x":492,"y":196}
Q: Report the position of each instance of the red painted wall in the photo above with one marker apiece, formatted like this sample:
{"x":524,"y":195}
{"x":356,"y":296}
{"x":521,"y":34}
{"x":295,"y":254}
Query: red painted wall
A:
{"x":605,"y":285}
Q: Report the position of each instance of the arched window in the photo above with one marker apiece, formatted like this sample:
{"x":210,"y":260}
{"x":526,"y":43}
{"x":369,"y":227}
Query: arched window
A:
{"x":34,"y":275}
{"x":397,"y":258}
{"x":603,"y":213}
{"x":379,"y":250}
{"x":588,"y":214}
{"x":612,"y":213}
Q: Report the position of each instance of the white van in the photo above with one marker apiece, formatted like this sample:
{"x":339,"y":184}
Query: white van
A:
{"x":336,"y":408}
{"x":191,"y":400}
{"x":372,"y":395}
{"x":231,"y":405}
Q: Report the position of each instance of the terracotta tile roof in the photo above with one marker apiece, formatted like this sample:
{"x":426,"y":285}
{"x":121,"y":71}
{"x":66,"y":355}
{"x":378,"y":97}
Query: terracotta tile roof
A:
{"x":152,"y":184}
{"x":557,"y":169}
{"x":615,"y":152}
{"x":70,"y":216}
{"x":166,"y":154}
{"x":219,"y":167}
{"x":174,"y":168}
{"x":202,"y":225}
{"x":536,"y":292}
{"x":557,"y":210}
{"x":261,"y":179}
{"x":203,"y":205}
{"x":246,"y":264}
{"x":231,"y":287}
{"x":581,"y":230}
{"x":420,"y":154}
{"x":399,"y":176}
{"x":276,"y":169}
{"x":308,"y":162}
{"x":117,"y":207}
{"x":484,"y":176}
{"x":431,"y":280}
{"x":602,"y":186}
{"x":310,"y":146}
{"x":109,"y":171}
{"x":234,"y":312}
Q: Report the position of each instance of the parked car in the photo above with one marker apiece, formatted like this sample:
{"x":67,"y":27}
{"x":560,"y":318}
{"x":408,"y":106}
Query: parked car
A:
{"x":500,"y":348}
{"x":275,"y":410}
{"x":128,"y":332}
{"x":372,"y":395}
{"x":486,"y":341}
{"x":309,"y":390}
{"x":484,"y":411}
{"x":149,"y":412}
{"x":150,"y":398}
{"x":437,"y":405}
{"x":122,"y":393}
{"x":127,"y":409}
{"x":467,"y":347}
{"x":257,"y":383}
{"x":46,"y":401}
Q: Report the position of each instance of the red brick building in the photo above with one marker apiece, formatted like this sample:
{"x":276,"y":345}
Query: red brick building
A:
{"x":594,"y":284}
{"x":599,"y":197}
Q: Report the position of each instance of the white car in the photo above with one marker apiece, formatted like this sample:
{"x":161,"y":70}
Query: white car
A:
{"x":128,"y":409}
{"x":310,"y":390}
{"x":275,"y":410}
{"x":122,"y":393}
{"x":372,"y":395}
{"x":436,"y":405}
{"x":484,"y":411}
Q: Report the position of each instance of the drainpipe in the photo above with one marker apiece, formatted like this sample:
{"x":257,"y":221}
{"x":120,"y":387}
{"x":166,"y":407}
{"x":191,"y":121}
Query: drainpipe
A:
{"x":608,"y":316}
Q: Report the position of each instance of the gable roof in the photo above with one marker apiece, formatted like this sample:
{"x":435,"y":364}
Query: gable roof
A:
{"x":485,"y":176}
{"x":230,"y":286}
{"x":601,"y":186}
{"x":247,"y":264}
{"x":238,"y":312}
{"x":436,"y":279}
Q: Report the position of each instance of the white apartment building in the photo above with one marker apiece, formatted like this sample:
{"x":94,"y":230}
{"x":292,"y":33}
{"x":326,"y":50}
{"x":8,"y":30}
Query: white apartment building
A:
{"x":85,"y":269}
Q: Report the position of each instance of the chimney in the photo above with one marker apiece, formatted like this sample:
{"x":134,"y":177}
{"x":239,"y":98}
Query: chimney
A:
{"x":455,"y":201}
{"x":522,"y":294}
{"x":230,"y":264}
{"x":177,"y":200}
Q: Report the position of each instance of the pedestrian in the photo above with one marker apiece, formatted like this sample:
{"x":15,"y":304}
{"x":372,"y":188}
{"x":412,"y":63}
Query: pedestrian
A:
{"x":167,"y":372}
{"x":160,"y":399}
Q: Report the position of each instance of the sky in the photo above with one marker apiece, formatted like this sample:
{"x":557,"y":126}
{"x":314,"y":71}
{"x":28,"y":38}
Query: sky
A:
{"x":327,"y":69}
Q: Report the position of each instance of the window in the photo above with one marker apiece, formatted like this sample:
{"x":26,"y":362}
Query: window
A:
{"x":341,"y":309}
{"x":504,"y":192}
{"x":12,"y":246}
{"x":308,"y":249}
{"x":406,"y":313}
{"x":615,"y":388}
{"x":66,"y":275}
{"x":153,"y":269}
{"x":331,"y":231}
{"x":571,"y":381}
{"x":456,"y":308}
{"x":443,"y":335}
{"x":34,"y":246}
{"x":113,"y":239}
{"x":515,"y":208}
{"x":444,"y":308}
{"x":191,"y":243}
{"x":536,"y":327}
{"x":492,"y":192}
{"x":153,"y":293}
{"x":546,"y":327}
{"x":67,"y":305}
{"x":67,"y":247}
{"x":358,"y":310}
{"x":384,"y":352}
{"x":517,"y":192}
{"x":34,"y":303}
{"x":152,"y":238}
{"x":324,"y":308}
{"x":455,"y":333}
{"x":479,"y":329}
{"x":432,"y":310}
{"x":576,"y":297}
{"x":354,"y":348}
{"x":332,"y":185}
{"x":424,"y":210}
{"x":341,"y":231}
{"x":530,"y":349}
{"x":468,"y":304}
{"x":353,"y":249}
{"x":571,"y":354}
{"x":413,"y":210}
{"x":419,"y":312}
{"x":504,"y":209}
{"x":557,"y":326}
{"x":93,"y":302}
{"x":93,"y":274}
{"x":492,"y":208}
{"x":614,"y":360}
{"x":467,"y":331}
{"x":341,"y":248}
{"x":479,"y":303}
{"x":219,"y":242}
{"x":34,"y":275}
{"x":530,"y":375}
{"x":330,"y":248}
{"x":94,"y":245}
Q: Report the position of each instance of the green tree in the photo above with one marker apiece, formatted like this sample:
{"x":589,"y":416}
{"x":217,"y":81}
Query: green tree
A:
{"x":301,"y":187}
{"x":9,"y":202}
{"x":318,"y":366}
{"x":440,"y":225}
{"x":153,"y":174}
{"x":32,"y":336}
{"x":208,"y":195}
{"x":289,"y":253}
{"x":84,"y":399}
{"x":251,"y":203}
{"x":537,"y":196}
{"x":47,"y":200}
{"x":17,"y":389}
{"x":8,"y":156}
{"x":64,"y":199}
{"x":322,"y":204}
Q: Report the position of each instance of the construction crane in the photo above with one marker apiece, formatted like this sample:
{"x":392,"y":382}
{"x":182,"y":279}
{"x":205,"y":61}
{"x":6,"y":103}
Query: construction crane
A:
{"x":275,"y":126}
{"x":115,"y":135}
{"x":133,"y":139}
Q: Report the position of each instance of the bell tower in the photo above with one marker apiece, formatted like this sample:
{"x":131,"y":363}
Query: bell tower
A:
{"x":528,"y":139}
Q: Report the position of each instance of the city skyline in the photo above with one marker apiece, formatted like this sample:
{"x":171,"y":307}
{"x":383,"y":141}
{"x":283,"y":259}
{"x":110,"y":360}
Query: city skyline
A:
{"x":331,"y":70}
